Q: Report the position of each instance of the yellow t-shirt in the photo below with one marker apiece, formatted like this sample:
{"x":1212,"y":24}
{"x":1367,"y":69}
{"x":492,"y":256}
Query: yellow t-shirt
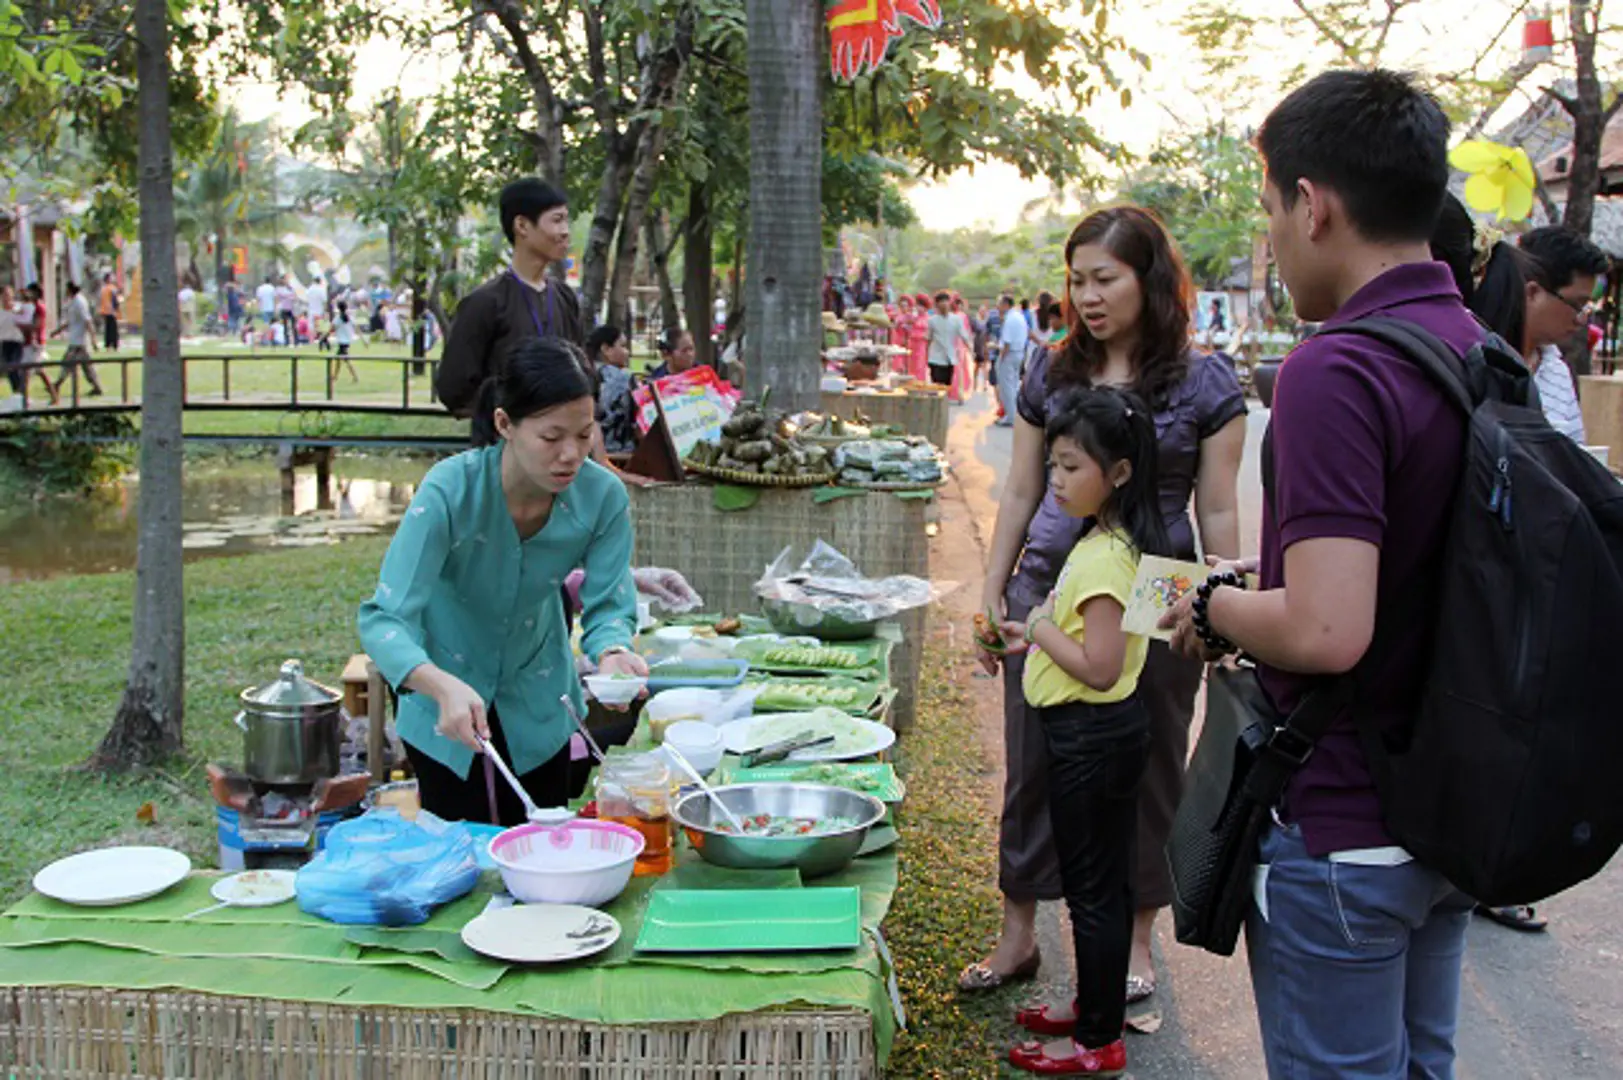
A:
{"x":1101,"y":564}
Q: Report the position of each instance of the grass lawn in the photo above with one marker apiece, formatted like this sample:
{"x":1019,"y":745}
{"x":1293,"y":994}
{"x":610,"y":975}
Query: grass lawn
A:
{"x":69,"y":641}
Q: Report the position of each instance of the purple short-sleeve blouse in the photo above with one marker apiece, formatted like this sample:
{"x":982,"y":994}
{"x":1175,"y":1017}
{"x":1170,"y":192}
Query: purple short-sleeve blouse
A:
{"x":1197,"y":408}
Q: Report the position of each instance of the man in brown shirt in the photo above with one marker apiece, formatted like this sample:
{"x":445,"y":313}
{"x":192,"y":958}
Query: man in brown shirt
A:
{"x":518,"y":304}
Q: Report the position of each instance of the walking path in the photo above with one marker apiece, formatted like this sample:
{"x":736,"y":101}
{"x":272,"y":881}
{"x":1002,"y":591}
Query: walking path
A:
{"x":1532,"y":1005}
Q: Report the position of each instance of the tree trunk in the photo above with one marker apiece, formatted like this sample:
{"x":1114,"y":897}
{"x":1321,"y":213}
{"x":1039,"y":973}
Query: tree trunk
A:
{"x":636,"y":210}
{"x":147,"y":727}
{"x":389,"y":232}
{"x":785,"y":234}
{"x":659,"y":261}
{"x":611,"y":186}
{"x":1583,"y":179}
{"x":661,"y":78}
{"x":698,"y":270}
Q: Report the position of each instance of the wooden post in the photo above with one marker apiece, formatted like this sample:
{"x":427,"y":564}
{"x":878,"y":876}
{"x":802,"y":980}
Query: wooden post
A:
{"x":323,"y":456}
{"x":377,"y":697}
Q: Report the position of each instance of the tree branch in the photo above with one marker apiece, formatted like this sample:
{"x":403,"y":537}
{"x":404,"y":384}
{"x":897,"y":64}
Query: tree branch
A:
{"x":597,"y":71}
{"x":1611,"y":110}
{"x":511,"y":17}
{"x":1565,"y":102}
{"x":1348,"y":51}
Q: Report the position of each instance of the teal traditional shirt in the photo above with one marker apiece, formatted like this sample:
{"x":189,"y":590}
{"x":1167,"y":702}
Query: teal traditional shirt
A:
{"x":460,"y":589}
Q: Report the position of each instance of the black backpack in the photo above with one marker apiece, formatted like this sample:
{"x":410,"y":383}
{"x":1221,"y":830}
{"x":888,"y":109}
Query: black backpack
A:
{"x":1507,"y":782}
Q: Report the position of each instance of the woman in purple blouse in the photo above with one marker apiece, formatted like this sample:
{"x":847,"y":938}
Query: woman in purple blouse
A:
{"x":1128,"y":324}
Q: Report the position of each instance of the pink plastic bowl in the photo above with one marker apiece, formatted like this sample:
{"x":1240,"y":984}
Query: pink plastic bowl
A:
{"x":579,"y":862}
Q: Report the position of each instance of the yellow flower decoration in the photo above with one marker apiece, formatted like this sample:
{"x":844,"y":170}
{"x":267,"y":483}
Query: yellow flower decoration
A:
{"x":1500,"y":181}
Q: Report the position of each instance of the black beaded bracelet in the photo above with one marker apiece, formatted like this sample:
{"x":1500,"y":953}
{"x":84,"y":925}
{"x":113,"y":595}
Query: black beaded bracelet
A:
{"x":1199,"y":610}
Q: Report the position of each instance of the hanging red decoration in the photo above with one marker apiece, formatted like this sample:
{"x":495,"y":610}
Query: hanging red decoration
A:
{"x":1538,"y":38}
{"x":861,"y":30}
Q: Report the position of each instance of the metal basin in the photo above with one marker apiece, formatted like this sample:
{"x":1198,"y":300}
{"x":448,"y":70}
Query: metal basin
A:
{"x":811,"y":855}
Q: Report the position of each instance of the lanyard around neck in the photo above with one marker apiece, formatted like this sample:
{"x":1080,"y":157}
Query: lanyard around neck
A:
{"x":543,"y":327}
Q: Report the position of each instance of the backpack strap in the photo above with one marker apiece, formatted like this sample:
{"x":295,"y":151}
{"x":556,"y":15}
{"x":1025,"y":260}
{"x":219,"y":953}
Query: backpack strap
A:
{"x":1293,"y":740}
{"x":1424,"y":349}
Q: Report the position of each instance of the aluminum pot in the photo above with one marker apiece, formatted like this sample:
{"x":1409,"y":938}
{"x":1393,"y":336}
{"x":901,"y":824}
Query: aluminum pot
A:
{"x":290,"y":729}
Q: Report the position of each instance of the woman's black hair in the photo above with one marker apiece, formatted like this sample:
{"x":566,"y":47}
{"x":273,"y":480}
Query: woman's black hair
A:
{"x":540,"y":374}
{"x":671,"y":337}
{"x":596,"y":342}
{"x":600,"y":339}
{"x":1111,"y":425}
{"x":1498,"y":297}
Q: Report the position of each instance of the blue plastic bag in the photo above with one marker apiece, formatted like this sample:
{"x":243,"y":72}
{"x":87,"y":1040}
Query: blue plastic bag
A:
{"x":381,"y":869}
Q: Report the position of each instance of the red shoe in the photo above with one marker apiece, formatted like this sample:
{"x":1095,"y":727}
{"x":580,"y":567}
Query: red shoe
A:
{"x":1038,"y":1022}
{"x":1106,"y":1061}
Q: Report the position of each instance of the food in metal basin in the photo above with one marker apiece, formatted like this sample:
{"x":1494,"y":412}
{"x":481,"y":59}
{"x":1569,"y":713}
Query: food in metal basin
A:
{"x":775,"y":825}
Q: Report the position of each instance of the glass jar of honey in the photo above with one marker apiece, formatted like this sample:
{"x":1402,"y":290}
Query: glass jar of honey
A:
{"x":635,"y":790}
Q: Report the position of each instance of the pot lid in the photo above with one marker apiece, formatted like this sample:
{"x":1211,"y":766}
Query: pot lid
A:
{"x":291,"y":690}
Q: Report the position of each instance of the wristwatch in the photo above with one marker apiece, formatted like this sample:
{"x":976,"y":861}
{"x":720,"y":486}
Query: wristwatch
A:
{"x":610,"y":651}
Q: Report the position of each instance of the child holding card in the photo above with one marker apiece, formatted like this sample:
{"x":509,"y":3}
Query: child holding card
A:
{"x":1081,"y":674}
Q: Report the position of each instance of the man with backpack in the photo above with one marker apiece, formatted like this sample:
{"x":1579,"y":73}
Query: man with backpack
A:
{"x":1355,"y":946}
{"x":1440,"y":570}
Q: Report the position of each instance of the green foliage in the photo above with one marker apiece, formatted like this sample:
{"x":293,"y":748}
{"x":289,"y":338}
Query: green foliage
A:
{"x":1205,"y":188}
{"x":935,"y":103}
{"x":982,"y":263}
{"x":862,"y":189}
{"x":54,"y":457}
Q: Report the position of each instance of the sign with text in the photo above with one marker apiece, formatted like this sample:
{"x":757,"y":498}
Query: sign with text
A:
{"x":696,"y":403}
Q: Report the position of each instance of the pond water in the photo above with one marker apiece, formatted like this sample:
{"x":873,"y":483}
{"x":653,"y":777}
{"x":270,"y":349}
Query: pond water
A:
{"x":229,"y":508}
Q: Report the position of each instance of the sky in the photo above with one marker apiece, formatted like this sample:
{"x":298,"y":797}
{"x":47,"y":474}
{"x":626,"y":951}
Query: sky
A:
{"x":1173,"y":94}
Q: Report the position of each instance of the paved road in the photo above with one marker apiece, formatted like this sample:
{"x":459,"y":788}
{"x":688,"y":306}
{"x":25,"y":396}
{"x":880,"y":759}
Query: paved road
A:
{"x":1533,"y":1006}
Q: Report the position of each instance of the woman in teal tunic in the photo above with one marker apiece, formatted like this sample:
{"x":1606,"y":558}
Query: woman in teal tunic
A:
{"x":468,"y":620}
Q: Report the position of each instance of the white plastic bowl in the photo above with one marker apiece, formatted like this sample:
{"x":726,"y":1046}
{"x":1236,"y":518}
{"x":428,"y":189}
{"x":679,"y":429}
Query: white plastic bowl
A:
{"x":579,"y":862}
{"x":616,"y":689}
{"x":697,"y":741}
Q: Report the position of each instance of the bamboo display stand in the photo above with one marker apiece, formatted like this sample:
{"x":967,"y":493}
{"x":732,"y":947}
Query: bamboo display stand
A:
{"x":722,"y":554}
{"x":918,"y":414}
{"x":81,"y":1034}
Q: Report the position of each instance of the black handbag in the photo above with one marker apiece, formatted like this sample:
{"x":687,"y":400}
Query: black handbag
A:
{"x":1242,"y":762}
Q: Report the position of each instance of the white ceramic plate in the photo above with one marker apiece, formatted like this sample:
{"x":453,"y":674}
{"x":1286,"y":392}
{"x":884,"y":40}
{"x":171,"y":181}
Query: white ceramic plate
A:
{"x":541,"y":933}
{"x":740,"y":735}
{"x":120,"y":875}
{"x":255,"y":888}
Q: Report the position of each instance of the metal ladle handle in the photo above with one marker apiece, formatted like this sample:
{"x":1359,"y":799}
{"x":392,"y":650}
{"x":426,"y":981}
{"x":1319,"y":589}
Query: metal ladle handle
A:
{"x":676,"y":755}
{"x":530,"y":809}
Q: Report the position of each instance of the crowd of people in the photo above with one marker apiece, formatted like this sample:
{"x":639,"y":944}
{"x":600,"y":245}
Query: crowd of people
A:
{"x":325,"y":313}
{"x":1121,"y":426}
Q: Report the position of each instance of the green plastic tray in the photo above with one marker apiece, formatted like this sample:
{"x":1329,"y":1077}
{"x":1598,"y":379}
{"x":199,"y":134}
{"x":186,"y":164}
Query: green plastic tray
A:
{"x":751,"y":920}
{"x":883,"y":783}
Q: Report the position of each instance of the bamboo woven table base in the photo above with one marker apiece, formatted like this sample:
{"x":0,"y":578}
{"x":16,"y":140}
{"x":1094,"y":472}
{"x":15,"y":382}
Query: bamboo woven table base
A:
{"x":68,"y":1033}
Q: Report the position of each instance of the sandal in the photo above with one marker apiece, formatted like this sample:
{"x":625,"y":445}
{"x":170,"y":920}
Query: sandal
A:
{"x":979,"y":976}
{"x":1139,"y":989}
{"x":1521,"y":917}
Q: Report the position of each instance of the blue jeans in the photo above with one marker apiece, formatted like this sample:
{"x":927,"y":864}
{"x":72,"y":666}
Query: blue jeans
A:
{"x":1008,"y":381}
{"x":1356,"y":969}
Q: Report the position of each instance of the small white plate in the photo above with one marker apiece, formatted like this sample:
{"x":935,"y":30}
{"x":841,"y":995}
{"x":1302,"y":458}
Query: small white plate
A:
{"x":740,"y":736}
{"x":541,"y":933}
{"x":255,"y":888}
{"x":119,"y":875}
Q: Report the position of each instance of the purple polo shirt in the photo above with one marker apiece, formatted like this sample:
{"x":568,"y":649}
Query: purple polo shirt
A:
{"x":1366,"y":447}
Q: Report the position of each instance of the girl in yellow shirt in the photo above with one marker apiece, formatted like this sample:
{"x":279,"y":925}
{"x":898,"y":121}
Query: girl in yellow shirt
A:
{"x":1081,"y":673}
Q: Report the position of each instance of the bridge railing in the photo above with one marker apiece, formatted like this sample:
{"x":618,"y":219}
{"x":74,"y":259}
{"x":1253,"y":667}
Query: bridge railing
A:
{"x":74,"y":397}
